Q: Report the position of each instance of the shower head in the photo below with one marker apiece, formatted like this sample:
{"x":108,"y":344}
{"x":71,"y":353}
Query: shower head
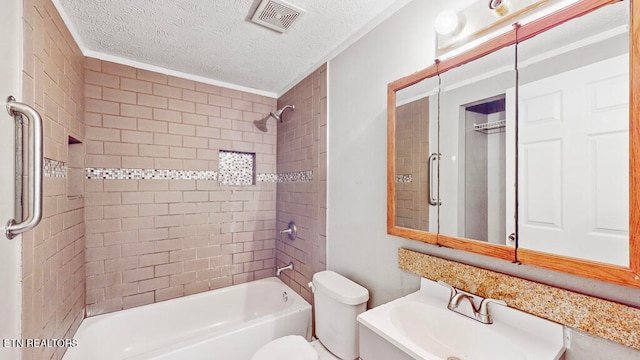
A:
{"x":278,"y":114}
{"x":262,"y":124}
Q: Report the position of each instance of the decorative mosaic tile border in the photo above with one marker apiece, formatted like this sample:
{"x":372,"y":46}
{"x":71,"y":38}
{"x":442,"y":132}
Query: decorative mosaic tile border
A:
{"x":267,"y":177}
{"x":607,"y":319}
{"x":153,"y":174}
{"x":54,"y":168}
{"x":404,"y":178}
{"x":299,"y":176}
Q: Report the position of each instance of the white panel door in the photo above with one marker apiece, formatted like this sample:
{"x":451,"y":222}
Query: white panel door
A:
{"x":573,"y":178}
{"x":10,"y":290}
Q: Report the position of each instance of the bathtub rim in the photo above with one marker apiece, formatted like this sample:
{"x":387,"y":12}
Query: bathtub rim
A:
{"x":90,"y":322}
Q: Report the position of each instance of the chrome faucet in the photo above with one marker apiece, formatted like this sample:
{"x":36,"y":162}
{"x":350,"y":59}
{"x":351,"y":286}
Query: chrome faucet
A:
{"x":456,"y":299}
{"x":481,"y":313}
{"x":281,"y":269}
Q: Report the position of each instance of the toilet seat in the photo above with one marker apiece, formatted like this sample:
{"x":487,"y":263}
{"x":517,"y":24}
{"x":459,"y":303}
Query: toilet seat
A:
{"x":287,"y":347}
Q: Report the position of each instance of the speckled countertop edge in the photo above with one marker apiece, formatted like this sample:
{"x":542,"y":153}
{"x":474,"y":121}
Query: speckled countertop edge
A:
{"x":610,"y":320}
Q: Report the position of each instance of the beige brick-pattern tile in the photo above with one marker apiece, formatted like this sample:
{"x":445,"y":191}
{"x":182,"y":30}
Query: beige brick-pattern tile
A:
{"x":53,"y":254}
{"x":301,"y":148}
{"x":153,"y":240}
{"x":186,"y":245}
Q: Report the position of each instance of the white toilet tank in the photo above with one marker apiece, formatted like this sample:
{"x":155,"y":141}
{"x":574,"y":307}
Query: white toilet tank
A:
{"x":337,"y":303}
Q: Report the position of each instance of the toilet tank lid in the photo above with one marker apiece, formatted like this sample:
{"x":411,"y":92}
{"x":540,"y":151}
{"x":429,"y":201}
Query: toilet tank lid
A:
{"x":340,"y":288}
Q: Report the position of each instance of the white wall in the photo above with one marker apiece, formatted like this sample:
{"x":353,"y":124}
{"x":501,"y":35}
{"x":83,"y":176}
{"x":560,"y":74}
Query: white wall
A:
{"x":358,"y":246}
{"x":10,"y":70}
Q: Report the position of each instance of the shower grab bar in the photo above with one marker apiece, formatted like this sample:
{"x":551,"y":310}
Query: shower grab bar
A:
{"x":14,"y":228}
{"x":432,"y":200}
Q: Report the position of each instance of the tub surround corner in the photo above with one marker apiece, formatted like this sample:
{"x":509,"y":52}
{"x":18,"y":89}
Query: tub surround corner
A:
{"x":53,"y":266}
{"x":302,"y":147}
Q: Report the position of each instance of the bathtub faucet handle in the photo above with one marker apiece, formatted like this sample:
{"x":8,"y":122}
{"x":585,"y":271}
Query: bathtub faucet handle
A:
{"x":291,"y":230}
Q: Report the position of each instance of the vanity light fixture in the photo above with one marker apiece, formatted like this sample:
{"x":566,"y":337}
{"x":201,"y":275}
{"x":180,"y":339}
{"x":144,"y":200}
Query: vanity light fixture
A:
{"x":447,"y":22}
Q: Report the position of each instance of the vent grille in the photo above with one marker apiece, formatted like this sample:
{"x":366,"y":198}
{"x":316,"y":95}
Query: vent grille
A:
{"x":276,"y":15}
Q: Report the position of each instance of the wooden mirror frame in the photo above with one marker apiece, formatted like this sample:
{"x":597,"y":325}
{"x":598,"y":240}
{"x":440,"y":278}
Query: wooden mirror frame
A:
{"x":627,"y":276}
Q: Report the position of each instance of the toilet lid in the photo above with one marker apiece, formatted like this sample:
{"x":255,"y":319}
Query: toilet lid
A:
{"x":293,"y":347}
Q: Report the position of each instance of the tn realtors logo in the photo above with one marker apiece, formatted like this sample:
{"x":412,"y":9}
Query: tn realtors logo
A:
{"x":39,"y":343}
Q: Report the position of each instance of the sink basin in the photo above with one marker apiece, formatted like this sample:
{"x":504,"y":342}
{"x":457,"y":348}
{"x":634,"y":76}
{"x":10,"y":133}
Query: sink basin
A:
{"x":420,"y":326}
{"x":446,"y":334}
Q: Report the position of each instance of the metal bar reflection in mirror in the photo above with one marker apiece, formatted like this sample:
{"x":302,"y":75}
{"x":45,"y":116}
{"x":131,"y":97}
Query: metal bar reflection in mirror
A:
{"x":490,"y":127}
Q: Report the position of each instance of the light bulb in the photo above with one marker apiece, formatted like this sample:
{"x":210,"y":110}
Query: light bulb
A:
{"x":499,"y":7}
{"x":446,"y":22}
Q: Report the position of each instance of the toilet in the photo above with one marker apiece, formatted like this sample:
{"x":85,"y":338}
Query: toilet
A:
{"x":337,"y":303}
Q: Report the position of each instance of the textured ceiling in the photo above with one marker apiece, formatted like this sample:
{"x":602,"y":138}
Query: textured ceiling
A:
{"x":214,"y":39}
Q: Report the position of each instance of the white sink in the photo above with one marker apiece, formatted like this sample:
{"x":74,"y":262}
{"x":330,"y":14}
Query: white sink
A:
{"x":452,"y":336}
{"x":421,"y":326}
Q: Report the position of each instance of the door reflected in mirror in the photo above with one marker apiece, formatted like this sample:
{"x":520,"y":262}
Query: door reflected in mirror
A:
{"x":484,"y":169}
{"x":573,"y":138}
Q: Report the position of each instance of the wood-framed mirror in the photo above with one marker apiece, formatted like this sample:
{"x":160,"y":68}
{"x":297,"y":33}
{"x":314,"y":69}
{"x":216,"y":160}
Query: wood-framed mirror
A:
{"x":410,"y":183}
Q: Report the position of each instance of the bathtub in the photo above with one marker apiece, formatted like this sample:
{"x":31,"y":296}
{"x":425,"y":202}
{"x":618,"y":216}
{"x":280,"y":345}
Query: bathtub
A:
{"x":227,"y":324}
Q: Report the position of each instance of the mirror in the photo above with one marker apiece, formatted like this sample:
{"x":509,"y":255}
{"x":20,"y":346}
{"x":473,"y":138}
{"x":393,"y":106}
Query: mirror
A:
{"x":475,"y":99}
{"x":567,"y":166}
{"x":416,"y":141}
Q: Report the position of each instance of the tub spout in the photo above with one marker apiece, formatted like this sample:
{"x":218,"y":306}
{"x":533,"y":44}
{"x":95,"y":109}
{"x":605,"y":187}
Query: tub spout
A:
{"x":281,"y":269}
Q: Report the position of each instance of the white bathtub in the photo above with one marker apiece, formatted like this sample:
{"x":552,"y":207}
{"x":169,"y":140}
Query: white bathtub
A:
{"x":227,"y":324}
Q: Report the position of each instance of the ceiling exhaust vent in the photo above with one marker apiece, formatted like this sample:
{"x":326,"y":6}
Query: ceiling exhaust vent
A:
{"x":277,"y":15}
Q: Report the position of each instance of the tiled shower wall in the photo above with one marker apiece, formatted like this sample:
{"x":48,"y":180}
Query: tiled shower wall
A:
{"x":302,"y":147}
{"x":53,"y":268}
{"x":412,"y":161}
{"x":159,"y":225}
